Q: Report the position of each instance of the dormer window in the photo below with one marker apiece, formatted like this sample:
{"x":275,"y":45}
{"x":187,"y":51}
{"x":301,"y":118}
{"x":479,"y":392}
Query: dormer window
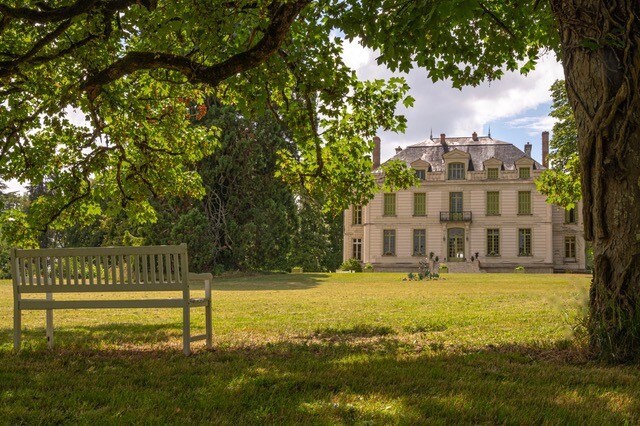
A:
{"x":456,"y":171}
{"x":421,"y":174}
{"x":492,"y":173}
{"x":524,"y":172}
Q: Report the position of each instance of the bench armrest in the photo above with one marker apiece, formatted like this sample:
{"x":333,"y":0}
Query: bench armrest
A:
{"x":206,"y":278}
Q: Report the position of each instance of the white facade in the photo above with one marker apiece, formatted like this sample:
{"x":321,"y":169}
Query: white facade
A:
{"x":538,"y":238}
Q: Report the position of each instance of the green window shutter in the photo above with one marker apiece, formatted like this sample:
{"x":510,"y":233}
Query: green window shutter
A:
{"x":389,"y":204}
{"x":524,"y":172}
{"x":419,"y":204}
{"x":524,"y":202}
{"x":493,"y":203}
{"x":492,"y":173}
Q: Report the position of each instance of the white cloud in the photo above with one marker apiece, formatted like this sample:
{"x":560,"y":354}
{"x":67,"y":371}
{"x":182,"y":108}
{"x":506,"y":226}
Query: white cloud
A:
{"x":533,"y":125}
{"x":460,"y":112}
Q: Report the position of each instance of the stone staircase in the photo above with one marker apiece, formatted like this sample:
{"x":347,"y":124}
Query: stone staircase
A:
{"x":464,"y":267}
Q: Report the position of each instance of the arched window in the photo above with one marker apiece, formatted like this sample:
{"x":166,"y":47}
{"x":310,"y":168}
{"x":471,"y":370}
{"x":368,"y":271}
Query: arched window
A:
{"x":456,"y":171}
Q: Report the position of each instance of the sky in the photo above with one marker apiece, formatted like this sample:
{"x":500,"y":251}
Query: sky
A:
{"x":516,"y":108}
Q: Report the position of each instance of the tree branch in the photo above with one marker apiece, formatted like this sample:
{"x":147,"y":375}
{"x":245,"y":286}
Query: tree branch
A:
{"x":497,"y":20}
{"x":49,"y":14}
{"x":282,"y":17}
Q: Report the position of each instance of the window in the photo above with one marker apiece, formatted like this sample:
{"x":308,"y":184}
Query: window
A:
{"x":419,"y":204}
{"x":524,"y":172}
{"x":524,"y":242}
{"x":389,"y":204}
{"x":421,"y":174}
{"x":524,"y":202}
{"x":419,"y":242}
{"x":357,"y":248}
{"x":493,"y":242}
{"x":455,"y":202}
{"x":389,"y":243}
{"x":492,"y":173}
{"x":570,"y":247}
{"x":456,"y":171}
{"x":357,"y":215}
{"x":493,"y":203}
{"x":570,"y":216}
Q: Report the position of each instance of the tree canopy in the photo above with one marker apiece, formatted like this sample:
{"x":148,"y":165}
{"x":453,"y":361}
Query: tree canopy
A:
{"x":138,"y":74}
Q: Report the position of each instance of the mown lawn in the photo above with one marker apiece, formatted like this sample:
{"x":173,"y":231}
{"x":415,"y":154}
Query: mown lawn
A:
{"x":325,"y":348}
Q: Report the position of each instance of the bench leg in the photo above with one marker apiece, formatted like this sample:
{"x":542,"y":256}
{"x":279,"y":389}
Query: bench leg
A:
{"x":208,"y":325}
{"x":17,"y":328}
{"x":186,"y":328}
{"x":49,"y":320}
{"x":207,"y":314}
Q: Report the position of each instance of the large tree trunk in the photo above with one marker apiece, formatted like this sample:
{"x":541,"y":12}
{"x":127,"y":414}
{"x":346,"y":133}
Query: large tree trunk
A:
{"x":600,"y":42}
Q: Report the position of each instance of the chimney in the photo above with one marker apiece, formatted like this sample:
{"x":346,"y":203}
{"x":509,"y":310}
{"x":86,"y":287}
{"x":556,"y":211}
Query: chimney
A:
{"x":442,"y":138}
{"x":527,"y":149}
{"x":474,"y":136}
{"x":398,"y":150}
{"x":545,"y":149}
{"x":376,"y":152}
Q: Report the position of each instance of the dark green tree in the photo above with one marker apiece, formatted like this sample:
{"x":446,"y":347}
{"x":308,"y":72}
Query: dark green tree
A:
{"x":561,"y":182}
{"x":247,"y":216}
{"x":317,"y":241}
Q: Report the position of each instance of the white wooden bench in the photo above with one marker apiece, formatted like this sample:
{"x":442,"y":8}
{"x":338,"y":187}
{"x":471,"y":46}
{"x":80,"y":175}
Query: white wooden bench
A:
{"x":106,"y":269}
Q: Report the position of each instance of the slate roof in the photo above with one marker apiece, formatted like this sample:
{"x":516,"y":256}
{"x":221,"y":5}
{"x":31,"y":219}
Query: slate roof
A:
{"x":431,"y":151}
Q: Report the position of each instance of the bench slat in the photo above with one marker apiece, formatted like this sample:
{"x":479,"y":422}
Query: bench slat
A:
{"x":160,"y":268}
{"x":100,"y":289}
{"x":33,"y":304}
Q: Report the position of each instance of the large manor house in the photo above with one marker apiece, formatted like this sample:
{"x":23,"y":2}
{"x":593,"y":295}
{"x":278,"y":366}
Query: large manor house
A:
{"x":476,"y":209}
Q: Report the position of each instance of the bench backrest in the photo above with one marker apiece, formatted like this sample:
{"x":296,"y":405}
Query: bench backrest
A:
{"x":100,"y":269}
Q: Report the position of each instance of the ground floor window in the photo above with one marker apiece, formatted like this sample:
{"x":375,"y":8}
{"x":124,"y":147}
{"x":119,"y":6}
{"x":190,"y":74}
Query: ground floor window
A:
{"x":524,"y":242}
{"x":493,"y":242}
{"x":389,"y":242}
{"x":570,"y":247}
{"x":357,"y":248}
{"x":419,"y":242}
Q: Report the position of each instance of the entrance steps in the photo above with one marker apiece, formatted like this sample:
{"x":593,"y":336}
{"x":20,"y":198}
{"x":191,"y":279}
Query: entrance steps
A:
{"x":464,"y":267}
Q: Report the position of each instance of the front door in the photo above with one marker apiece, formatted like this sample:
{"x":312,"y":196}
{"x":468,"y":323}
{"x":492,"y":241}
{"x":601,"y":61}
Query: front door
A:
{"x":455,"y":205}
{"x":456,"y":244}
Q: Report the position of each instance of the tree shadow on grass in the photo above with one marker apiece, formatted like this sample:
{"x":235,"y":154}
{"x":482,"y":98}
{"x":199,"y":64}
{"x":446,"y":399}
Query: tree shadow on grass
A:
{"x":269,"y":282}
{"x":350,"y":377}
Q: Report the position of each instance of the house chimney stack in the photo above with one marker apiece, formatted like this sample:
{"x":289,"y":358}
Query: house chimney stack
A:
{"x":376,"y":152}
{"x":398,"y":150}
{"x":527,"y":149}
{"x":442,"y":138}
{"x":545,"y":149}
{"x":474,"y":136}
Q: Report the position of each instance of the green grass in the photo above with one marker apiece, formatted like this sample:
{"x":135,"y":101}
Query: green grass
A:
{"x":324,"y":348}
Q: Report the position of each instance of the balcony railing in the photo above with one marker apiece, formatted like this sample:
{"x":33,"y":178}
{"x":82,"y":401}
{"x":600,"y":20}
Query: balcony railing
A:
{"x":455,"y":216}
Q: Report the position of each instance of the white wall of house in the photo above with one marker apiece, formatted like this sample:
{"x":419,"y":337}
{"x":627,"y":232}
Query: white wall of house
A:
{"x":546,"y":222}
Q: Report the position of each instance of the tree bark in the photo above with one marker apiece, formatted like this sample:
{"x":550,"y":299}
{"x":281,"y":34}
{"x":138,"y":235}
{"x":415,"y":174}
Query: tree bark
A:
{"x":600,"y":41}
